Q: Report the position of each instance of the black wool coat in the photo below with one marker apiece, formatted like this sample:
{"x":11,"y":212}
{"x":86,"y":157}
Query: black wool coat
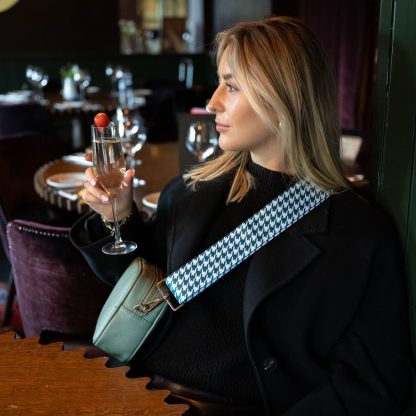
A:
{"x":325,"y":306}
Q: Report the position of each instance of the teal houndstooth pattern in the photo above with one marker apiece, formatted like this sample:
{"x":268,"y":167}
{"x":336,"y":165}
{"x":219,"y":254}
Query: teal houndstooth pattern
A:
{"x":205,"y":269}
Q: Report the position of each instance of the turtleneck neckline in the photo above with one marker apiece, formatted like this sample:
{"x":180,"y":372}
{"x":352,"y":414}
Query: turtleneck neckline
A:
{"x":269,"y":177}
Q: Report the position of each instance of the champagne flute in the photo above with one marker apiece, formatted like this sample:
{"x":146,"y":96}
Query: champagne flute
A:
{"x":202,"y":139}
{"x":109,"y":167}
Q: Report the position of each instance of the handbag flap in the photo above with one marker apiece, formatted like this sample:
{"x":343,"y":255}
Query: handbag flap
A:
{"x":136,"y":285}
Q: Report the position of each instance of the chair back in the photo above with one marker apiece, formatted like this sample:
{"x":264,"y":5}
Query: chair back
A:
{"x":17,"y":118}
{"x":21,"y":155}
{"x":56,"y":289}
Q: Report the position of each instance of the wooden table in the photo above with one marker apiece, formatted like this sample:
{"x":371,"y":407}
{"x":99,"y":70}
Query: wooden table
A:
{"x":160,"y":163}
{"x":45,"y":380}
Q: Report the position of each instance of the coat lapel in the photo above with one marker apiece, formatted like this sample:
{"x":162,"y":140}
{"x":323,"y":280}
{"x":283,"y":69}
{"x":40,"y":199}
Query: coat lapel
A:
{"x":272,"y":267}
{"x":283,"y":258}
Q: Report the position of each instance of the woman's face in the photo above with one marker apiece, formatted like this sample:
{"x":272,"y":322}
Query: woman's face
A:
{"x":239,"y":126}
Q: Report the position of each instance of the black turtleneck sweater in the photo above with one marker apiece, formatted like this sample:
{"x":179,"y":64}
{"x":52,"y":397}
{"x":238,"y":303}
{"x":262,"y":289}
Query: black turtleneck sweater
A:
{"x":205,"y":346}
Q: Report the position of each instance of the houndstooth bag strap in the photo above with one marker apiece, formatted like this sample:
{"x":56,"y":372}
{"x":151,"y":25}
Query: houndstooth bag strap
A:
{"x":209,"y":266}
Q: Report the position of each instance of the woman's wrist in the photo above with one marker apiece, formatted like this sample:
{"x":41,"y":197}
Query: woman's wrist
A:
{"x":123,"y":219}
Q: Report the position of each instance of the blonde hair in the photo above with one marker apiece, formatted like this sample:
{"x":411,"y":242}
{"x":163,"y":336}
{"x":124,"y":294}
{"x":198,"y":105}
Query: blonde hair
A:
{"x":284,"y":73}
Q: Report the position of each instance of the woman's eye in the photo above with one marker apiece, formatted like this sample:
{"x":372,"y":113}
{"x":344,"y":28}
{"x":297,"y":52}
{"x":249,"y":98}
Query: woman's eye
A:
{"x":231,"y":87}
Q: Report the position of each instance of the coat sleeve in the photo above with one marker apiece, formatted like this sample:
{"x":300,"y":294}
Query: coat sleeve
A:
{"x":372,"y":366}
{"x":89,"y":235}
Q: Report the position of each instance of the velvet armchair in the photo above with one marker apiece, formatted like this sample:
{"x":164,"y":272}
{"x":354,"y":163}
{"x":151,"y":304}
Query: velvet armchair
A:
{"x":55,"y":288}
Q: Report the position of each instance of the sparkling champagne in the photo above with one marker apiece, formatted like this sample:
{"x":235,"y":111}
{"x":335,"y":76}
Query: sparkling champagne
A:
{"x":109,"y":167}
{"x":109,"y":164}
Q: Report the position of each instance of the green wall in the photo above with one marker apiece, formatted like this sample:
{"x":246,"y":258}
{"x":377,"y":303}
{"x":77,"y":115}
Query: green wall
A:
{"x":394,"y":179}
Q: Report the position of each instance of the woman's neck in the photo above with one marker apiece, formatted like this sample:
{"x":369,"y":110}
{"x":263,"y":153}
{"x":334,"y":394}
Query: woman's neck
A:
{"x":272,"y":162}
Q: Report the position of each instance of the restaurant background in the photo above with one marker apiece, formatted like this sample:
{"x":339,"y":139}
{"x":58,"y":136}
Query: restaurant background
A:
{"x":363,"y":38}
{"x":90,"y":34}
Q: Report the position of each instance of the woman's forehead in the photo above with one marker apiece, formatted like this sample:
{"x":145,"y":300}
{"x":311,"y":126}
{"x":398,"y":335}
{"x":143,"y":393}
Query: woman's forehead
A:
{"x":224,"y":70}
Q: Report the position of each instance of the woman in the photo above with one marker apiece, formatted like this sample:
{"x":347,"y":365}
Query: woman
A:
{"x":315,"y":322}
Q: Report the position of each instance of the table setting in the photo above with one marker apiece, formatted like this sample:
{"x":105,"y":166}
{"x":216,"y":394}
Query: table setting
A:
{"x":60,"y":182}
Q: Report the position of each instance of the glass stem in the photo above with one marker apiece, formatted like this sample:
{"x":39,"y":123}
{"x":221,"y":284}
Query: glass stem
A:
{"x":117,"y":234}
{"x":130,"y":161}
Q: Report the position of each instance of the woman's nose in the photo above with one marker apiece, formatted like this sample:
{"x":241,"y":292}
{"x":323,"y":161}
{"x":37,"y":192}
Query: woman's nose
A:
{"x":209,"y":107}
{"x":214,"y":105}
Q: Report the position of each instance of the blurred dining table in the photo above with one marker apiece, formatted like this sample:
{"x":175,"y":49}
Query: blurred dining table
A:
{"x":48,"y":380}
{"x":156,"y":164}
{"x":71,"y":119}
{"x":76,"y":116}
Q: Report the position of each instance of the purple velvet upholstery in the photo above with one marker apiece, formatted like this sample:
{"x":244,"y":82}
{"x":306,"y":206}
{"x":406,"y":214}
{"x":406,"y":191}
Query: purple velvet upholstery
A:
{"x":56,"y":289}
{"x":3,"y":236}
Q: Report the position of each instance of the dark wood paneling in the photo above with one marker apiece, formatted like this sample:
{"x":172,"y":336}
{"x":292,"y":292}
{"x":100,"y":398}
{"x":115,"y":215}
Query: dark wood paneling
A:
{"x":51,"y":26}
{"x":285,"y":7}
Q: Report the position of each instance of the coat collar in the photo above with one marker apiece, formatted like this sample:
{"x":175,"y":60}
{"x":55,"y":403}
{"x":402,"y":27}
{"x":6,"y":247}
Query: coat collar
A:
{"x":272,"y":267}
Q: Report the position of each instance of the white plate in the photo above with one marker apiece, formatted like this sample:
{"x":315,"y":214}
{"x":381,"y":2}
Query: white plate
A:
{"x":66,"y":180}
{"x":151,"y":200}
{"x":68,"y":105}
{"x":77,"y":158}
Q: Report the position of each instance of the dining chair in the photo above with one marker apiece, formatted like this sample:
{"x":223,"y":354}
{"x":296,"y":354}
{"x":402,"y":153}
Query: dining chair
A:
{"x":21,"y":154}
{"x":18,"y":118}
{"x":56,"y":289}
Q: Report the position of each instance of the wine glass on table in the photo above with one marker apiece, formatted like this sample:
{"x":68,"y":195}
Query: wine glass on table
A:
{"x":202,"y":139}
{"x":83,"y":79}
{"x":133,"y":136}
{"x":38,"y":79}
{"x":109,"y":167}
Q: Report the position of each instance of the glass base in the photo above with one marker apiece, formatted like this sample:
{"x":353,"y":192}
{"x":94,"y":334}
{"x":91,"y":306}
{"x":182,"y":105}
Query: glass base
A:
{"x":116,"y":249}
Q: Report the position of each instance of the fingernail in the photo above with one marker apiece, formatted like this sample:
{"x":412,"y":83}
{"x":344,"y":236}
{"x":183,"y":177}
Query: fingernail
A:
{"x":104,"y":198}
{"x":133,"y":172}
{"x":93,"y":182}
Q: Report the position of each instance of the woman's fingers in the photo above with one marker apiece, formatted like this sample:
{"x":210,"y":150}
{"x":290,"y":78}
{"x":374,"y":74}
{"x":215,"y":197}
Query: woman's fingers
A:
{"x":99,"y":201}
{"x":89,"y":174}
{"x":128,"y":178}
{"x":88,"y":156}
{"x":94,"y":192}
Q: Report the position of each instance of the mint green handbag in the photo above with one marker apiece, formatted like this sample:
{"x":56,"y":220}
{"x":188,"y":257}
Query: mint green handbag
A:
{"x":142,"y":294}
{"x":131,"y":312}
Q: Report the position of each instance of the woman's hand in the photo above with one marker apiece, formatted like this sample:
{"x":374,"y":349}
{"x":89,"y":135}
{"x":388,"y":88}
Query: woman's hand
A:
{"x":98,"y":200}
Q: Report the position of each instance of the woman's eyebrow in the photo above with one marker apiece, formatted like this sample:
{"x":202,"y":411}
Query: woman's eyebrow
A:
{"x":226,"y":77}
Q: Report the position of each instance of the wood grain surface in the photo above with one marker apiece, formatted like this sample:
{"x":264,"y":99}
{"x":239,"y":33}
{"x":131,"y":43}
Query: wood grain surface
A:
{"x":40,"y":379}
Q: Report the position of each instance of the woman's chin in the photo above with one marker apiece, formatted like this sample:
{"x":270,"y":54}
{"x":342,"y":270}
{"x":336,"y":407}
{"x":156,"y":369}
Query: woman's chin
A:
{"x":227,"y":145}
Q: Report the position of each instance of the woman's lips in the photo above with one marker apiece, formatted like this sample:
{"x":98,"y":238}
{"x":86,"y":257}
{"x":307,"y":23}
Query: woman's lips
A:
{"x":221,"y":127}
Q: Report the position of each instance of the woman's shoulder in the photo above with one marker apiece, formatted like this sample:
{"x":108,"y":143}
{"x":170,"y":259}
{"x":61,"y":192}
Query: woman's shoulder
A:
{"x":353,"y":213}
{"x":175,"y":189}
